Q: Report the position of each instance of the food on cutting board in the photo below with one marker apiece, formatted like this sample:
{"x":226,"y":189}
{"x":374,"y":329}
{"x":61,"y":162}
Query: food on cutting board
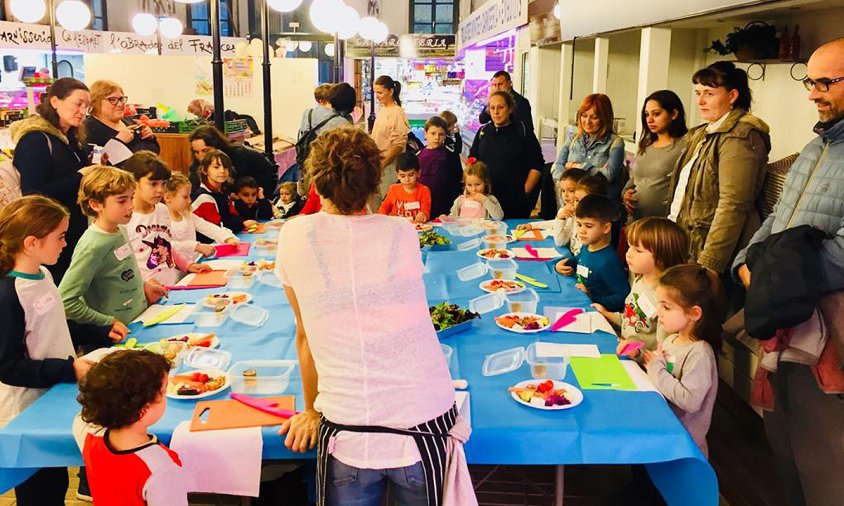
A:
{"x":542,"y":394}
{"x":447,"y":315}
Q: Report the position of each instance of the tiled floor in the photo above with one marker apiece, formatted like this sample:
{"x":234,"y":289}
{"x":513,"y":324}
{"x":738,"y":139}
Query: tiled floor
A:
{"x":739,"y":454}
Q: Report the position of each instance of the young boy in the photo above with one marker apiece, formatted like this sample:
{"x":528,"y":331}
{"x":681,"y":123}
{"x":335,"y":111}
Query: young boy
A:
{"x":599,"y":271}
{"x":453,"y":140}
{"x":121,"y":397}
{"x":103,"y":284}
{"x":407,"y":197}
{"x":149,"y":229}
{"x":440,"y":169}
{"x":250,"y":203}
{"x":288,"y":204}
{"x":563,"y":225}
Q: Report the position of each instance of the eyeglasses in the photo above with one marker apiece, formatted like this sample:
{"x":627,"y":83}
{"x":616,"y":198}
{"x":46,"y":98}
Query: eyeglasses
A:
{"x":822,"y":84}
{"x":117,"y":100}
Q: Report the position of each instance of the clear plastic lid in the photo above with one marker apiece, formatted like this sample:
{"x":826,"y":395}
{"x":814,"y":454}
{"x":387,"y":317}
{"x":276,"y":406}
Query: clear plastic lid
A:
{"x":209,"y":318}
{"x":473,"y":271}
{"x":502,"y":264}
{"x":201,"y":358}
{"x":486,"y":303}
{"x":250,"y":314}
{"x":470,"y":244}
{"x":270,"y":279}
{"x":448,"y":351}
{"x":470,"y":230}
{"x":503,"y":361}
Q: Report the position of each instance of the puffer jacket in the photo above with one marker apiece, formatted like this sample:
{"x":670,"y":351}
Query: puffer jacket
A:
{"x":813,"y":194}
{"x":718,"y":211}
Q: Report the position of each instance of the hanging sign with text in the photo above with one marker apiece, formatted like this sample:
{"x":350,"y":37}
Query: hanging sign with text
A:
{"x":492,"y":18}
{"x":411,"y":45}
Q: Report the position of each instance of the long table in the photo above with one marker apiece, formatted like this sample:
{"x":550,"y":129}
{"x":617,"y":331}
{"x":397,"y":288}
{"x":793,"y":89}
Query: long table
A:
{"x":608,"y":427}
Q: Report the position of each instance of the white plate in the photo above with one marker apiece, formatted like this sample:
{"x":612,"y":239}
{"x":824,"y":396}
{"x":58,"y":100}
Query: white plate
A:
{"x":574,"y":395}
{"x":501,"y":290}
{"x":522,"y":331}
{"x":209,"y":372}
{"x":423,"y":227}
{"x":215,"y":342}
{"x":509,"y":252}
{"x":207,"y":302}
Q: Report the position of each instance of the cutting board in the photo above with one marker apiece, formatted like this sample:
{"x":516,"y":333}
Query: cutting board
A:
{"x":210,"y":278}
{"x":228,"y":250}
{"x":532,"y":235}
{"x":231,"y":414}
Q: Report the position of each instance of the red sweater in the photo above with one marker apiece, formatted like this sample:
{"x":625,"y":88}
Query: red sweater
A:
{"x":400,"y":203}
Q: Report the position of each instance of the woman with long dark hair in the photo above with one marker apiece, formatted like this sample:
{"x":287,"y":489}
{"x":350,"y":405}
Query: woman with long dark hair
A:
{"x":247,"y":161}
{"x":390,"y":129}
{"x":662,"y":143}
{"x":50,"y":156}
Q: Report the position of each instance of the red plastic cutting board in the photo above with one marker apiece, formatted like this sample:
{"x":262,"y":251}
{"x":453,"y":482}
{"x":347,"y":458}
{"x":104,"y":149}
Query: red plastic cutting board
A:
{"x":207,"y":279}
{"x":231,"y":414}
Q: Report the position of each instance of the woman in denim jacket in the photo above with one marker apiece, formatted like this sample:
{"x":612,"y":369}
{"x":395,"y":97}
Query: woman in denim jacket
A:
{"x":595,"y":148}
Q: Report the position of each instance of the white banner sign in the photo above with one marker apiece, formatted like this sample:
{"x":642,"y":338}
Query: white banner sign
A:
{"x":492,"y":18}
{"x":31,"y":36}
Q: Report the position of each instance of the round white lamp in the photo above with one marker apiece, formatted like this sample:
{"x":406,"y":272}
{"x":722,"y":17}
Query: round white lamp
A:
{"x":305,"y":46}
{"x":73,"y":15}
{"x":171,"y":28}
{"x":557,"y":10}
{"x":329,"y":50}
{"x":284,"y":5}
{"x":382,"y":33}
{"x":326,"y":15}
{"x":348,"y":27}
{"x":28,"y":11}
{"x":291,"y":46}
{"x":144,"y":24}
{"x":372,"y":29}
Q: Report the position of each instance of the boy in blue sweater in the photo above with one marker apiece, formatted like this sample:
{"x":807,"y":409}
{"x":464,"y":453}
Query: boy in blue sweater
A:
{"x":599,"y":271}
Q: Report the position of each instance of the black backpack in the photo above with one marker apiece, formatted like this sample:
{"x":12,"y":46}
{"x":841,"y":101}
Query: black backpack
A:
{"x":303,"y":145}
{"x":413,"y":145}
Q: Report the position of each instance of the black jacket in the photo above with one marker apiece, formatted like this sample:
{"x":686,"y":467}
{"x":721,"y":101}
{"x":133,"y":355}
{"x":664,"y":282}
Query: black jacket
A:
{"x":97,"y":132}
{"x":523,"y":112}
{"x":262,"y":210}
{"x":785,"y":283}
{"x":510,"y":153}
{"x":247,"y":162}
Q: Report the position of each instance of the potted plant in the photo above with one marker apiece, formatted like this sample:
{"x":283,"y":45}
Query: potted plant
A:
{"x":755,"y":41}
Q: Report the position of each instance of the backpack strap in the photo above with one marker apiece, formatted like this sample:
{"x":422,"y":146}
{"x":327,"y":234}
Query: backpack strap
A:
{"x":322,"y":123}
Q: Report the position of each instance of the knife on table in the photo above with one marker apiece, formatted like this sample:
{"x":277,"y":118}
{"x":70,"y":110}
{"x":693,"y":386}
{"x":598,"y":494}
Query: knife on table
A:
{"x":264,"y":405}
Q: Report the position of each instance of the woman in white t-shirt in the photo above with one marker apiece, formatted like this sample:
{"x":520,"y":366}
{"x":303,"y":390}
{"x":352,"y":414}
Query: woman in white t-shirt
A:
{"x":373,"y":372}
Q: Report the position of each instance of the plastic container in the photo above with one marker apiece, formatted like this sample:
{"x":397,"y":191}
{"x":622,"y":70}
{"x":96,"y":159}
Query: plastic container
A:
{"x":261,"y":377}
{"x":210,"y":318}
{"x":470,"y":244}
{"x":523,"y":302}
{"x":250,"y":314}
{"x":448,"y":351}
{"x":270,"y":279}
{"x":240,"y":281}
{"x":473,"y":271}
{"x":208,"y":358}
{"x":469,"y":230}
{"x":486,"y":303}
{"x":505,"y":268}
{"x":497,"y":241}
{"x":452,"y":227}
{"x":546,"y":367}
{"x":494,"y":228}
{"x":503,"y":361}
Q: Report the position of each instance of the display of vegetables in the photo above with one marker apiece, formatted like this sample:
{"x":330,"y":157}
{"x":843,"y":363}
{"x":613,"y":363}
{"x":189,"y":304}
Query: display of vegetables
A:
{"x":447,"y":315}
{"x":431,"y":238}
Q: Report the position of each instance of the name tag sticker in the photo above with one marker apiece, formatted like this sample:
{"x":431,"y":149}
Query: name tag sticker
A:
{"x":412,"y":205}
{"x":45,"y":303}
{"x":582,"y":271}
{"x":471,"y":203}
{"x":646,"y":306}
{"x":123,"y":252}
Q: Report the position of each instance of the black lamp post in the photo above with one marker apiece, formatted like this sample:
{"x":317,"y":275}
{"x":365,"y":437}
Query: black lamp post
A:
{"x":268,"y":101}
{"x":217,"y":66}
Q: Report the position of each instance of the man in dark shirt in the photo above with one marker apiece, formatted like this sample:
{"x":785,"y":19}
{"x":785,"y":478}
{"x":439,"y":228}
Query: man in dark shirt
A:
{"x":501,"y":82}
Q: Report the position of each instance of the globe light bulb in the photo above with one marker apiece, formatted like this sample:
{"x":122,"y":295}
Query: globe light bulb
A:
{"x":73,"y":15}
{"x":28,"y":11}
{"x":144,"y":24}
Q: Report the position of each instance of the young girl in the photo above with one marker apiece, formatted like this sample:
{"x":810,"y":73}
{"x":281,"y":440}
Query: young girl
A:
{"x":690,"y":309}
{"x":656,"y":244}
{"x":476,"y":201}
{"x":288,"y":204}
{"x":211,"y":200}
{"x":184,"y":225}
{"x":36,"y":350}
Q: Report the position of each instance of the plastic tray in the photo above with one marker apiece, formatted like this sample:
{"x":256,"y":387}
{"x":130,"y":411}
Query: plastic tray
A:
{"x":250,"y":314}
{"x":205,"y":358}
{"x":456,"y":329}
{"x":523,"y":302}
{"x":271,"y":376}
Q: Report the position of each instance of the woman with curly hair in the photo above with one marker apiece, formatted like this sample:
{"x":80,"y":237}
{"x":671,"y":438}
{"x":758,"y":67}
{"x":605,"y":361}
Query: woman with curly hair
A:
{"x":364,"y":270}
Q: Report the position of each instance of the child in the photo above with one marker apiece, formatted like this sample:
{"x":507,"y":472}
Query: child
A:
{"x":250,"y":202}
{"x":655,"y":245}
{"x":211,"y":202}
{"x":184,"y":224}
{"x":36,"y":348}
{"x":599,"y":271}
{"x":121,"y":397}
{"x":407,"y":197}
{"x":563,"y":225}
{"x":440,"y":169}
{"x":690,"y":308}
{"x":149,"y":228}
{"x":477,"y":200}
{"x":103,"y":284}
{"x":453,"y":140}
{"x":288,"y":204}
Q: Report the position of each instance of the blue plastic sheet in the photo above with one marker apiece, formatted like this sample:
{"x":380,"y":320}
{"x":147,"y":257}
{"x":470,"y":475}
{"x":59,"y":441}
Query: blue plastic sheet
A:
{"x":609,"y":427}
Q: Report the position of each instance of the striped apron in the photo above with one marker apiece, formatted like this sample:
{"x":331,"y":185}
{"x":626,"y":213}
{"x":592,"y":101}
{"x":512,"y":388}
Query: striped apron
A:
{"x":430,"y":437}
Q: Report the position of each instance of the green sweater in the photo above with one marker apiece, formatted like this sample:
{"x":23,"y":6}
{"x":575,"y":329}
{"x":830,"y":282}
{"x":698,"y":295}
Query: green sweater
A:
{"x":103,"y":281}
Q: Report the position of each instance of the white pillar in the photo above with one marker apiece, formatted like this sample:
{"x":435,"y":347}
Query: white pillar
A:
{"x":534,"y":78}
{"x":602,"y":56}
{"x":566,"y":59}
{"x":654,"y":56}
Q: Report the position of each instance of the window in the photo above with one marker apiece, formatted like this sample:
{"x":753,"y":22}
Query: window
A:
{"x":199,"y":18}
{"x":433,"y":16}
{"x":99,"y":15}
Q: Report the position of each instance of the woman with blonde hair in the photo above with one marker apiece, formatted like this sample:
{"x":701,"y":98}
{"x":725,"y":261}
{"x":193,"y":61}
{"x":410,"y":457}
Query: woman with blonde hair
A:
{"x":106,"y":121}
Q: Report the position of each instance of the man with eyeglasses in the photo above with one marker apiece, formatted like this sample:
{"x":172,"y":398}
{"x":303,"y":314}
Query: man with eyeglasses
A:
{"x":806,"y":427}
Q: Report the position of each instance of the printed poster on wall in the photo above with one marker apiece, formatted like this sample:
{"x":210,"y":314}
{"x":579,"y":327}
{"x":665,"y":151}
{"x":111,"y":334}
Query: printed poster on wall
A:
{"x":202,"y":71}
{"x":238,"y":75}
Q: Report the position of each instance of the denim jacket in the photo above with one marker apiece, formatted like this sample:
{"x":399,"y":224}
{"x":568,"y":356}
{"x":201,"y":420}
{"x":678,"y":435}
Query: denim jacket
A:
{"x":604,"y":156}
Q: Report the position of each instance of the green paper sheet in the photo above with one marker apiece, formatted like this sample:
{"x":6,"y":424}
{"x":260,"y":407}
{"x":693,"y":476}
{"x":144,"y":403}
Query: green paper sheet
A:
{"x":607,"y":370}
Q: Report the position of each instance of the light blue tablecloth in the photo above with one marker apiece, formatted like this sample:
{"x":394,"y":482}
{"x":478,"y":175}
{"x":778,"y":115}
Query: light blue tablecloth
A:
{"x":609,"y":427}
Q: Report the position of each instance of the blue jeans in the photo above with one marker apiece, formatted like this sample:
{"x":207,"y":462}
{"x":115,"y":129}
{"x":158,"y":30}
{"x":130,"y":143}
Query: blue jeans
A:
{"x":350,"y":486}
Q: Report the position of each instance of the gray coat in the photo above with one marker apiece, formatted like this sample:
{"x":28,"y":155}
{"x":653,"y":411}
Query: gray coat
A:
{"x":813,"y":194}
